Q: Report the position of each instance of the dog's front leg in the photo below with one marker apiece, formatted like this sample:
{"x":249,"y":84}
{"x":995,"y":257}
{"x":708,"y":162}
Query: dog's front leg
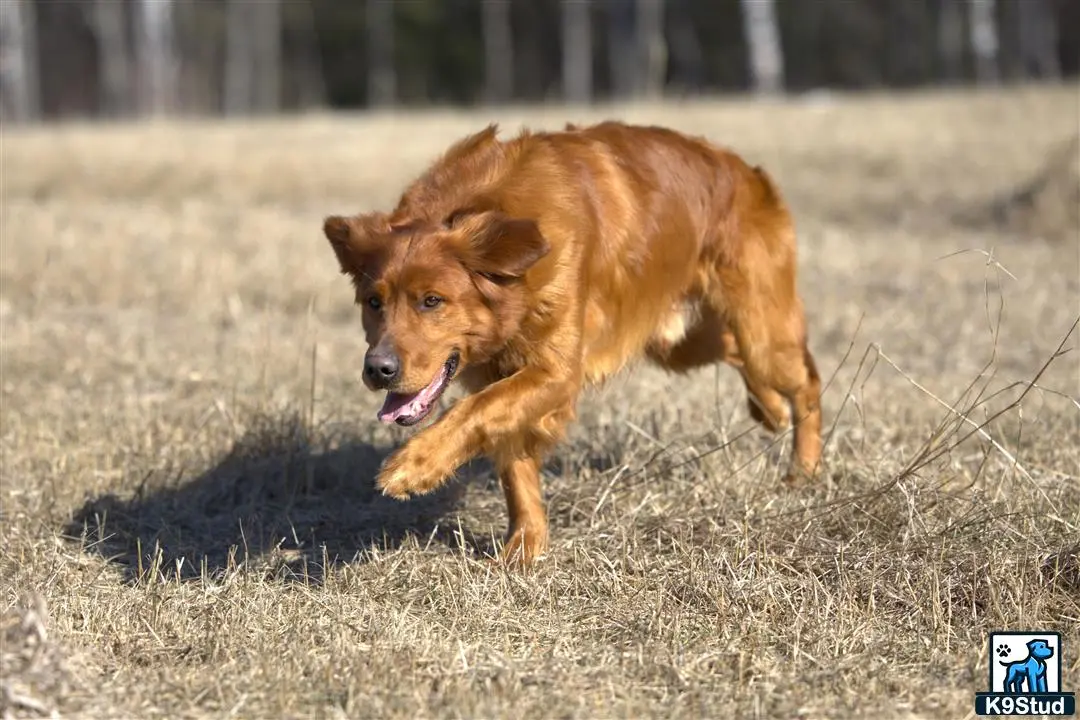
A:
{"x":501,"y":414}
{"x":527,"y":534}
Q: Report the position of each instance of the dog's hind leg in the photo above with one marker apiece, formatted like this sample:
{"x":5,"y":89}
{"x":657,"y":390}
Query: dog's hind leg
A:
{"x":709,"y":340}
{"x":758,"y":297}
{"x":777,"y":362}
{"x":767,"y":406}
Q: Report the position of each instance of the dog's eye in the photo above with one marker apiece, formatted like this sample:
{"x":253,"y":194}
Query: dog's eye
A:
{"x":432,"y":301}
{"x":374,"y":302}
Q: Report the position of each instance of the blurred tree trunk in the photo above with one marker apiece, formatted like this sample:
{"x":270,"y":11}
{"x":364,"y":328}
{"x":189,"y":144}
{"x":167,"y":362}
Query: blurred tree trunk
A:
{"x":950,"y":40}
{"x":382,"y":72}
{"x":1038,"y":38}
{"x":1010,"y":59}
{"x":535,"y":76}
{"x":908,"y":50}
{"x":687,"y":57}
{"x":252,"y":57}
{"x":577,"y":53}
{"x":498,"y":50}
{"x":110,"y":26}
{"x":200,"y":41}
{"x":239,"y":52}
{"x":803,"y":56}
{"x":266,"y":58}
{"x":309,"y":77}
{"x":156,"y":57}
{"x":20,"y":82}
{"x":763,"y":40}
{"x":984,"y":39}
{"x":1068,"y":32}
{"x":652,"y":49}
{"x":623,"y":60}
{"x":852,"y":36}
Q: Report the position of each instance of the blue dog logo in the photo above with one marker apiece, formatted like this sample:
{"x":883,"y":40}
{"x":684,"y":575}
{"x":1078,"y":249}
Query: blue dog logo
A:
{"x":1031,"y":671}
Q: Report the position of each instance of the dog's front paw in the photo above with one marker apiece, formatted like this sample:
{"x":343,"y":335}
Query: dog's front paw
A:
{"x":801,"y":476}
{"x":407,"y":473}
{"x":525,"y":545}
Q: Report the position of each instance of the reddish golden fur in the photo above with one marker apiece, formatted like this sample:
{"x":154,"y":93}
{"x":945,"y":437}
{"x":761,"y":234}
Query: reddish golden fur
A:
{"x":559,"y":258}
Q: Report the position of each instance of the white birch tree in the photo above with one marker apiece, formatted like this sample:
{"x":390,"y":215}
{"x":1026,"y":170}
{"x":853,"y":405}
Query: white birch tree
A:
{"x":21,"y":97}
{"x":762,"y":33}
{"x":156,"y":57}
{"x":982,"y":24}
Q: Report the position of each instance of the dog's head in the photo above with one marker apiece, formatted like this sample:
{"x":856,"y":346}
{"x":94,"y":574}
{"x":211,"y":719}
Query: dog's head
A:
{"x":434,"y":297}
{"x":1040,"y":649}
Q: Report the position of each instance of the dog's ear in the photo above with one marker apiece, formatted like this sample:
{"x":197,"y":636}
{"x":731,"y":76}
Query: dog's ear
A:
{"x":338,"y":231}
{"x":498,"y":246}
{"x":353,"y":241}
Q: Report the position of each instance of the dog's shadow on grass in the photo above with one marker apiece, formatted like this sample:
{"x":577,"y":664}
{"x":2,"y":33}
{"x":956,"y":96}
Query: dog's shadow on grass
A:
{"x":283,"y":500}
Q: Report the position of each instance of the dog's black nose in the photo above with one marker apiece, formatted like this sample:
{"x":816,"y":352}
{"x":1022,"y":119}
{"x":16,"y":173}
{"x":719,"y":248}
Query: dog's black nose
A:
{"x":381,"y":369}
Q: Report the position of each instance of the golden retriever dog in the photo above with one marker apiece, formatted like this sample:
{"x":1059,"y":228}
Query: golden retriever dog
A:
{"x":531,"y":268}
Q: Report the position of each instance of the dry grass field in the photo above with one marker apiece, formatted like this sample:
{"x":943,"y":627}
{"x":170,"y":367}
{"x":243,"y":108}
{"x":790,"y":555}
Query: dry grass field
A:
{"x":189,"y":527}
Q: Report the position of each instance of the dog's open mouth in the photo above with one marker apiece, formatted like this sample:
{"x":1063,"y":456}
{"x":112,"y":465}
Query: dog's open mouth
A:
{"x":410,"y":408}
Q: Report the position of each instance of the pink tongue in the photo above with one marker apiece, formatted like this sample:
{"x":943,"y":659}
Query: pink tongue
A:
{"x":411,"y":405}
{"x":395,"y":406}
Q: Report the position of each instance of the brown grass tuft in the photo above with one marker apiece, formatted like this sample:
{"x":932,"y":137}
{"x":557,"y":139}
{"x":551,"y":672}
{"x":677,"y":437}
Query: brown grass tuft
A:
{"x":1045,"y":206}
{"x":34,"y":673}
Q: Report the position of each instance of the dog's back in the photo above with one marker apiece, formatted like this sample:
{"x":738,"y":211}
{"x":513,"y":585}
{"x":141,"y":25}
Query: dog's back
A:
{"x":641,"y":220}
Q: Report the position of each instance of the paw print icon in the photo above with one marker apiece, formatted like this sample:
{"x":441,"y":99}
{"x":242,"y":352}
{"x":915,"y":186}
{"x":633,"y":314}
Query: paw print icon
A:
{"x":1002,"y":651}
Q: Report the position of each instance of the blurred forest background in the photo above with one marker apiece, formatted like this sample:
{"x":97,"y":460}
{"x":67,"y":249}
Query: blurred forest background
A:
{"x":123,"y":58}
